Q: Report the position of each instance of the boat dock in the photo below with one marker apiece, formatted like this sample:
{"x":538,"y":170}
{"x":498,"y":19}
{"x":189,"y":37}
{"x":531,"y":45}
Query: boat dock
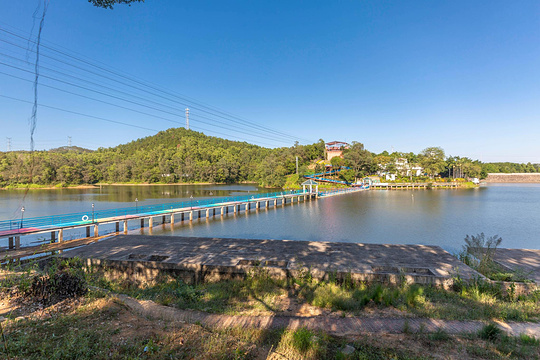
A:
{"x":414,"y":186}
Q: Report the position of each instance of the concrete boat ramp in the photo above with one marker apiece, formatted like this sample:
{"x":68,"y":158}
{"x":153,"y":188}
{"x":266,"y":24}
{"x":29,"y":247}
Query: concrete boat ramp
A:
{"x":197,"y":259}
{"x":525,"y":260}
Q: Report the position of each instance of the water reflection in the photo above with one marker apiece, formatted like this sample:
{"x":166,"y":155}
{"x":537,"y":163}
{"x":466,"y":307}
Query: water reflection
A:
{"x":437,"y":217}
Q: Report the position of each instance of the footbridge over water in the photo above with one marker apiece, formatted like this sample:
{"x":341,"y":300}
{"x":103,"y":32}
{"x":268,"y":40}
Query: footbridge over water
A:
{"x":150,"y":215}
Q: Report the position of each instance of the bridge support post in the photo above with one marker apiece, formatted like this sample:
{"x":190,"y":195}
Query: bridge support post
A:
{"x":96,"y":230}
{"x":53,"y":236}
{"x":142,"y":223}
{"x":191,"y":215}
{"x":266,"y":204}
{"x":163,"y":218}
{"x":222,"y":210}
{"x":117,"y":226}
{"x":150,"y":222}
{"x":10,"y":243}
{"x":283,"y":201}
{"x":182,"y":217}
{"x":172,"y":218}
{"x":199,"y":214}
{"x":275,"y":202}
{"x":214,"y":212}
{"x":207,"y":213}
{"x":125,"y":227}
{"x":258,"y":205}
{"x":17,"y":242}
{"x":88,"y":231}
{"x":60,"y":235}
{"x":235,"y":207}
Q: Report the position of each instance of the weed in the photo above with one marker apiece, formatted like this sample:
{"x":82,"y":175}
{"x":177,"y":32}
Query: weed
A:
{"x":529,"y":340}
{"x":302,"y":339}
{"x":490,"y":332}
{"x":439,"y":335}
{"x":407,"y":327}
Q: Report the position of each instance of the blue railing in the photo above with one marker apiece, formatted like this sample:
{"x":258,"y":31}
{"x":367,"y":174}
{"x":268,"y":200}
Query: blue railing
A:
{"x":90,"y":217}
{"x":320,"y":176}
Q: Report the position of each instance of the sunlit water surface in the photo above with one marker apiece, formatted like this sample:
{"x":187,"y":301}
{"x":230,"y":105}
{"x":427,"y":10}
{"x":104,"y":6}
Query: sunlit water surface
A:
{"x":431,"y":217}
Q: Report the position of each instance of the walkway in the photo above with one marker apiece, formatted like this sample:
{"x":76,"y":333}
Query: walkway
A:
{"x":198,"y":259}
{"x":337,"y":326}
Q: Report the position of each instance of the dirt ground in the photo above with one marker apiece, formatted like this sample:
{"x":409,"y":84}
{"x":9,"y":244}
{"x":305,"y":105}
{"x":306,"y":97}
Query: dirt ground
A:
{"x":154,"y":338}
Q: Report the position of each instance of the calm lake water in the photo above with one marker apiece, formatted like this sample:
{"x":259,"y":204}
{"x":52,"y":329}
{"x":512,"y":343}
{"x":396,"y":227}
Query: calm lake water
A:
{"x":431,"y":217}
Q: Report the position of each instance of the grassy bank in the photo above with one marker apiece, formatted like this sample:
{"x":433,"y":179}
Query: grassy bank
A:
{"x":105,"y":329}
{"x":259,"y":294}
{"x":48,"y":319}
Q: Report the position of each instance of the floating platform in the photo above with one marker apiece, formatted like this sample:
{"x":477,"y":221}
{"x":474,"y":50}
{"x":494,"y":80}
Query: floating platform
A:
{"x":197,"y":259}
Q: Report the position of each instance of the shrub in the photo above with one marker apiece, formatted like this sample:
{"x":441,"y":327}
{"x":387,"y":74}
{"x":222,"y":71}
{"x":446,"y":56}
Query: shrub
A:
{"x":483,"y":250}
{"x":490,"y":332}
{"x":301,"y":339}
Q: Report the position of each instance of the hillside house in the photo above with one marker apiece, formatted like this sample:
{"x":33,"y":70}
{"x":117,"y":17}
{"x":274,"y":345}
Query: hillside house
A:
{"x":334,"y":148}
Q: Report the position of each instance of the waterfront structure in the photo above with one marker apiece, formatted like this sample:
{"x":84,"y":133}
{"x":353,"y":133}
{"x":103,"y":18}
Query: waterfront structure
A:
{"x":57,"y":225}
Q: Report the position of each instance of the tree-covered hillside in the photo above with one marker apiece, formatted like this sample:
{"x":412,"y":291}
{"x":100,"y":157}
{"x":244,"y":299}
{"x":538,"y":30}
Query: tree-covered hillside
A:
{"x":185,"y":156}
{"x":171,"y":156}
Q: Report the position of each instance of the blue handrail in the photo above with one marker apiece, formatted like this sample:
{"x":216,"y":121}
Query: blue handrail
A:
{"x":81,"y":218}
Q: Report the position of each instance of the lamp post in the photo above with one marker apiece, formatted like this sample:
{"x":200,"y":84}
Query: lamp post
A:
{"x":93,"y":212}
{"x":136,"y":208}
{"x":22,"y":216}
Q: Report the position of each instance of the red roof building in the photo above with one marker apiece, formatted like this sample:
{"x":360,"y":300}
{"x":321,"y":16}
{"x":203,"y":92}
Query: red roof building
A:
{"x":335,"y":148}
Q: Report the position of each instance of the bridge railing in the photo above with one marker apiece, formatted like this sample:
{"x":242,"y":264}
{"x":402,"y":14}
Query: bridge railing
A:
{"x":89,"y":217}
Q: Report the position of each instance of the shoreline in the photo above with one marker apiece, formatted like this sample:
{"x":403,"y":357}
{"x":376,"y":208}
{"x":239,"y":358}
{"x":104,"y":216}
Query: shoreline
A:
{"x":97,"y":186}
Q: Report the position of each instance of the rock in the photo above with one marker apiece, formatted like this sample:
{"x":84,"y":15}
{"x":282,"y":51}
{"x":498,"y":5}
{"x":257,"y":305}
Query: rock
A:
{"x":348,"y":350}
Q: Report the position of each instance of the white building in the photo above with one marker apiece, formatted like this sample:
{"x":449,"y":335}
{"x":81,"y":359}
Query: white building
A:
{"x":403,"y":168}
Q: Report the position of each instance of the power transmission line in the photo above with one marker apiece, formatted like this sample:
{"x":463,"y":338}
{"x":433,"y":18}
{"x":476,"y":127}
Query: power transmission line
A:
{"x":151,"y":115}
{"x":122,"y":99}
{"x":202,"y":107}
{"x":120,"y":122}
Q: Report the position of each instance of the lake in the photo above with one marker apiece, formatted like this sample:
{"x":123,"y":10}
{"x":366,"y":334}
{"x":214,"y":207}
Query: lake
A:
{"x":430,"y":217}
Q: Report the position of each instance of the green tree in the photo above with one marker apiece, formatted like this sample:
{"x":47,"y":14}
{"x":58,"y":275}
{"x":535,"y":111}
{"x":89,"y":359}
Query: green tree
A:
{"x":108,"y":4}
{"x":336,"y":162}
{"x":359,"y":159}
{"x":347,"y":175}
{"x":432,"y":160}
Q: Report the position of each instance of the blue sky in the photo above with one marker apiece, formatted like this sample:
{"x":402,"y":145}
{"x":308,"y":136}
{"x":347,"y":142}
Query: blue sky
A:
{"x":390,"y":74}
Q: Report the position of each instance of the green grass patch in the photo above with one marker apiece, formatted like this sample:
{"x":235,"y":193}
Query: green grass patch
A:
{"x":260,"y":293}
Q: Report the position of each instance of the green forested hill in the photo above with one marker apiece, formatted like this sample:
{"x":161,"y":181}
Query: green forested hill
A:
{"x":171,"y":156}
{"x":185,"y":156}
